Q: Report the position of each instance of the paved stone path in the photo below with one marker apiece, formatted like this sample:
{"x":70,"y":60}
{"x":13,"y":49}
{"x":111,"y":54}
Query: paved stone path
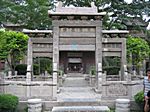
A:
{"x":77,"y":89}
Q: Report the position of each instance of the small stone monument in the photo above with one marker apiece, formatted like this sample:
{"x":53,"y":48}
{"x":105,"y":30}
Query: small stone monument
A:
{"x":34,"y":105}
{"x":122,"y":105}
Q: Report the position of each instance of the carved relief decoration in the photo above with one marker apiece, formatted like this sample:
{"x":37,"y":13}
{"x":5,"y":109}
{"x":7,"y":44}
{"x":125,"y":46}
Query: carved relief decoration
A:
{"x":116,"y":90}
{"x":112,"y":45}
{"x":78,"y":30}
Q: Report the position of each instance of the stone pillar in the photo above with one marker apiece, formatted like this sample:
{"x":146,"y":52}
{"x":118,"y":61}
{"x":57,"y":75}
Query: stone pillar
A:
{"x":28,"y":80}
{"x":98,"y":53}
{"x":123,"y":58}
{"x":122,"y":105}
{"x":100,"y":75}
{"x":55,"y":58}
{"x":104,"y":76}
{"x":2,"y":82}
{"x":10,"y":74}
{"x":127,"y":76}
{"x":29,"y":60}
{"x":119,"y":75}
{"x":34,"y":105}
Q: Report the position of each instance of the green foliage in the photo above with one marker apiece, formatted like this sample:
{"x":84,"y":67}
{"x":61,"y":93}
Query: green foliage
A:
{"x":119,"y":10}
{"x":21,"y":69}
{"x":8,"y":103}
{"x":35,"y":69}
{"x":45,"y":64}
{"x":32,"y":14}
{"x":111,"y":64}
{"x":112,"y":70}
{"x":139,"y":97}
{"x":93,"y":70}
{"x":139,"y":49}
{"x":13,"y":46}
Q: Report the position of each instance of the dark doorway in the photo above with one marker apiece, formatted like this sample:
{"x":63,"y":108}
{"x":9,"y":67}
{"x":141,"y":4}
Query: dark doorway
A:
{"x":75,"y":67}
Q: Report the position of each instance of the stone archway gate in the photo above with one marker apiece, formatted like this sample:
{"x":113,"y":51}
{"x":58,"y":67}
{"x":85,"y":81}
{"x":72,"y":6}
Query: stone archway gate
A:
{"x":80,"y":27}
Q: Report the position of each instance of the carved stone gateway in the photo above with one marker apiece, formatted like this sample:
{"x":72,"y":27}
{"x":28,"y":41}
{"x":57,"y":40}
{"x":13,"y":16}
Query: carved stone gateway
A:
{"x":77,"y":42}
{"x":78,"y":30}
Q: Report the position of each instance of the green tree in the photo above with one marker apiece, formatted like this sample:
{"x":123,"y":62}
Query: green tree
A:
{"x":32,"y":14}
{"x":45,"y":64}
{"x":139,"y":48}
{"x":119,"y":10}
{"x":13,"y":46}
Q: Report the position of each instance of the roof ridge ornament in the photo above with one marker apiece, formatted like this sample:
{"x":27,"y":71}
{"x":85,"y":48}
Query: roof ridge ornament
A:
{"x":93,"y":4}
{"x":60,"y":4}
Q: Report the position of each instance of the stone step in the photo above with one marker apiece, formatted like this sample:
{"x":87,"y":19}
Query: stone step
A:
{"x":75,"y":75}
{"x":75,"y":82}
{"x":81,"y":109}
{"x":79,"y":102}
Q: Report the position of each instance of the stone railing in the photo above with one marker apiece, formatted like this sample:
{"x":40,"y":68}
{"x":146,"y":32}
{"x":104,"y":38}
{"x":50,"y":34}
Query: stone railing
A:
{"x":23,"y":78}
{"x":121,"y":89}
{"x":34,"y":89}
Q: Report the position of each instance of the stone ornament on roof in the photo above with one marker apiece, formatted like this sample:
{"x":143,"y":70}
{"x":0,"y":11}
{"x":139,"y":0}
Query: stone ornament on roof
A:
{"x":60,"y":4}
{"x":76,"y":10}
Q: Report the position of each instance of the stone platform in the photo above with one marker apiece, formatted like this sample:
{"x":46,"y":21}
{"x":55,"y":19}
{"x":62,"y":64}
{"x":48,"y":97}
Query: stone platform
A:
{"x":81,"y":109}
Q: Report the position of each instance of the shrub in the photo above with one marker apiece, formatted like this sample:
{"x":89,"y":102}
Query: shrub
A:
{"x":8,"y":103}
{"x":112,"y":70}
{"x":93,"y":70}
{"x":36,"y":69}
{"x":139,"y":97}
{"x":21,"y":69}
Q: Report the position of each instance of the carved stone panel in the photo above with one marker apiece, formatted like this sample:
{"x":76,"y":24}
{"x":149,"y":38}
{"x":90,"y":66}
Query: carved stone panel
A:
{"x":78,"y":29}
{"x":116,"y":90}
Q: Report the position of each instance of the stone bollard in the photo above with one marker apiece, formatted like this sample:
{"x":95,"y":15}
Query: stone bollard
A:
{"x":34,"y":105}
{"x":122,"y":105}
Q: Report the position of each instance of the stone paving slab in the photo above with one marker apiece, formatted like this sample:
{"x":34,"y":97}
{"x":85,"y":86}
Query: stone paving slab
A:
{"x":77,"y":93}
{"x":81,"y":109}
{"x":75,"y":82}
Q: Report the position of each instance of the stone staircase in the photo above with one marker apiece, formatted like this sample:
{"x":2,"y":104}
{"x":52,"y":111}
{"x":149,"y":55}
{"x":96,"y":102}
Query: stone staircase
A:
{"x":77,"y":96}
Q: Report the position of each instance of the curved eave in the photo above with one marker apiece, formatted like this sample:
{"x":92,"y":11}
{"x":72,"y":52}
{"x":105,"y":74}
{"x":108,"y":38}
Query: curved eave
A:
{"x":36,"y":31}
{"x":115,"y":31}
{"x":75,"y":14}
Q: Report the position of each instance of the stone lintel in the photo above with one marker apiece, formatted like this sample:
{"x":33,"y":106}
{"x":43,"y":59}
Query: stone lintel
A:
{"x":113,"y":40}
{"x":77,"y":23}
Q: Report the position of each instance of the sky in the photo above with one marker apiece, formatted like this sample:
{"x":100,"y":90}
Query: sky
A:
{"x":128,"y":1}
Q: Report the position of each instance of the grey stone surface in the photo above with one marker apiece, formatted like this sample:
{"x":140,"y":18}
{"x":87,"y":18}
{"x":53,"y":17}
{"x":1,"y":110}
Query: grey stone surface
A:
{"x":122,"y":105}
{"x":81,"y":109}
{"x":76,"y":89}
{"x":34,"y":105}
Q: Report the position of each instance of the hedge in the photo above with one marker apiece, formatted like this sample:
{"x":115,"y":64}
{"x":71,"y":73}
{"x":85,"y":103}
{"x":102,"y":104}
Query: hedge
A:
{"x":8,"y":103}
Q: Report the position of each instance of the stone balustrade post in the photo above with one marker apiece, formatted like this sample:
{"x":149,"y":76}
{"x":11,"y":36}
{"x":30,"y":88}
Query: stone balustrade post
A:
{"x":119,"y":75}
{"x":34,"y":105}
{"x":127,"y":76}
{"x":55,"y":76}
{"x":99,"y":73}
{"x":104,"y":76}
{"x":122,"y":105}
{"x":2,"y":82}
{"x":28,"y":80}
